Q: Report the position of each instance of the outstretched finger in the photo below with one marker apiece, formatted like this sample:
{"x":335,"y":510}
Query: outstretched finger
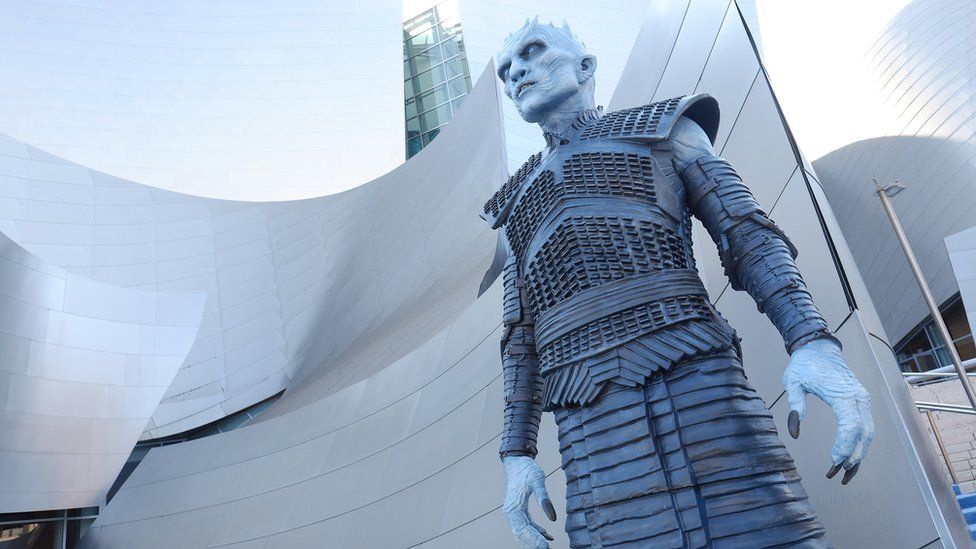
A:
{"x":853,"y":462}
{"x":845,"y":442}
{"x":524,"y":528}
{"x":538,"y":484}
{"x":541,"y":530}
{"x":797,"y":399}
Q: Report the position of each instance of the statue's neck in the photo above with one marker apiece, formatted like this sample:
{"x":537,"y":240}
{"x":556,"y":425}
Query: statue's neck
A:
{"x":559,"y":121}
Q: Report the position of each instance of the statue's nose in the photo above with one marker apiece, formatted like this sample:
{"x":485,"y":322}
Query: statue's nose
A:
{"x":516,"y":72}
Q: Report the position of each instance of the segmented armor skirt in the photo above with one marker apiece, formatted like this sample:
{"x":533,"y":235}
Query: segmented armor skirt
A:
{"x":690,"y":460}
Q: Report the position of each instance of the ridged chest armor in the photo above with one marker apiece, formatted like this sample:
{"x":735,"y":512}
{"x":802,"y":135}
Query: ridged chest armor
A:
{"x":590,"y":217}
{"x":600,"y":234}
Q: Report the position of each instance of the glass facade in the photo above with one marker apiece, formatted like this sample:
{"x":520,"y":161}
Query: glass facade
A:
{"x":435,"y":72}
{"x":45,"y":529}
{"x":923,"y":348}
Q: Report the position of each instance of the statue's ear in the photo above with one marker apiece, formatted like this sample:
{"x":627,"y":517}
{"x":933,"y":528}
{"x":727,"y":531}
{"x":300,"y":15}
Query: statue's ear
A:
{"x":586,"y":68}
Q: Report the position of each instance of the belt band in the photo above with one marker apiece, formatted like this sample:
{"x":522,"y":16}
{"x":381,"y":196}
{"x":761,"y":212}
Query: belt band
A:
{"x":594,"y":303}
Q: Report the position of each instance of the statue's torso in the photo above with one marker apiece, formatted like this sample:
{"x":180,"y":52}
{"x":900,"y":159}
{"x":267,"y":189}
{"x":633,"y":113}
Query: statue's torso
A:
{"x":596,"y":212}
{"x":600,"y":232}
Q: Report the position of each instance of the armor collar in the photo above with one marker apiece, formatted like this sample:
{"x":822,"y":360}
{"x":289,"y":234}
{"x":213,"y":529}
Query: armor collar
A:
{"x":585,"y":118}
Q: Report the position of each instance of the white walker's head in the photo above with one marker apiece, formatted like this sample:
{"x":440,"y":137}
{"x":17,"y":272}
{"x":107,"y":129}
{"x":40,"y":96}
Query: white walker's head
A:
{"x":546,"y":69}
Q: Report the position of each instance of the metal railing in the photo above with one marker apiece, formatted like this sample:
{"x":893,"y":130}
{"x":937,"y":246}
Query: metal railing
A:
{"x":916,"y":378}
{"x":922,"y":378}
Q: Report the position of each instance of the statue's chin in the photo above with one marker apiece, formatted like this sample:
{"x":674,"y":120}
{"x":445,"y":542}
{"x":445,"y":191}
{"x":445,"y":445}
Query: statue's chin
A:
{"x":542,"y":102}
{"x":530,"y":117}
{"x":530,"y":112}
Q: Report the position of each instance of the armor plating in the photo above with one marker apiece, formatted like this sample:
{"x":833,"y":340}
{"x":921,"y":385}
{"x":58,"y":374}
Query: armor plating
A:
{"x":601,"y":277}
{"x":756,"y":255}
{"x":520,"y":367}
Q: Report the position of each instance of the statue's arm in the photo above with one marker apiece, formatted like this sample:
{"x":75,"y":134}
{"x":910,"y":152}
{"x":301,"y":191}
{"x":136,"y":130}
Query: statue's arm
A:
{"x":523,"y":411}
{"x":756,"y":254}
{"x":759,"y":258}
{"x":520,"y":369}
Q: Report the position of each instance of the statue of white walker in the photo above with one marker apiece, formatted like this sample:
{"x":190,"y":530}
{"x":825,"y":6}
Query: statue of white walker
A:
{"x":608,"y":325}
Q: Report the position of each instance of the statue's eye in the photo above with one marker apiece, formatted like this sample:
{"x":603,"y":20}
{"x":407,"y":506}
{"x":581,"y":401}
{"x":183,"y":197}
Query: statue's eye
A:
{"x":532,"y":49}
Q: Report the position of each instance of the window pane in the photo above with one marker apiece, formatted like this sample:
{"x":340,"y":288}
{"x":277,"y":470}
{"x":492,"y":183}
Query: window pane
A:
{"x":425,"y":60}
{"x":417,"y":25}
{"x":414,"y":145}
{"x":413,"y":127}
{"x":429,"y":79}
{"x":411,"y":108}
{"x":457,"y":87}
{"x":460,"y":44}
{"x":428,"y":137}
{"x":454,"y":68}
{"x":37,"y":535}
{"x":419,"y":42}
{"x":436,"y":117}
{"x":457,"y":104}
{"x":76,"y":531}
{"x":433,"y":98}
{"x":450,"y":47}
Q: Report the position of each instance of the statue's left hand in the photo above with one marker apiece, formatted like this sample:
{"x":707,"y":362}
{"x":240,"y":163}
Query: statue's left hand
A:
{"x":819,"y":368}
{"x":524,"y":477}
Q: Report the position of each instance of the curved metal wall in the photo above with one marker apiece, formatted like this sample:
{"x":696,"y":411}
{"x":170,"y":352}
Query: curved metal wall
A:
{"x":82,"y":366}
{"x":924,"y":68}
{"x":290,"y":285}
{"x":407,"y":457}
{"x":237,"y":99}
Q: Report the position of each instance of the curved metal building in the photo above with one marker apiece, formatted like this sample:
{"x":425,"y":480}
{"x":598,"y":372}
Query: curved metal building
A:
{"x":371,"y":308}
{"x":924,"y":70}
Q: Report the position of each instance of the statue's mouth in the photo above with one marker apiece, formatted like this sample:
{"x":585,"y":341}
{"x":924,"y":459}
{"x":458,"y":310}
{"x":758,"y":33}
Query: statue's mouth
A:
{"x":521,"y":87}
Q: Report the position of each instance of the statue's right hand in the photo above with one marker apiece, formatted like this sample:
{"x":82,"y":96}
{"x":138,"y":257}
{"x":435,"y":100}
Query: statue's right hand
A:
{"x":524,"y":477}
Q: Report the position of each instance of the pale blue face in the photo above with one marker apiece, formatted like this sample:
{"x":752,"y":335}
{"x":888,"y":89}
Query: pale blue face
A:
{"x":541,"y":74}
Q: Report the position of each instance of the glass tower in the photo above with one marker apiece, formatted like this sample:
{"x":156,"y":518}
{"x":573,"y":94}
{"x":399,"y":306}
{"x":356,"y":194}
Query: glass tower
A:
{"x":435,"y":72}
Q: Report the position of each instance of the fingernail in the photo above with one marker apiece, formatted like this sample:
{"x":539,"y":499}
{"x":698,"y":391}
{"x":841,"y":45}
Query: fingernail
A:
{"x":793,"y":424}
{"x":833,"y":470}
{"x":849,"y":474}
{"x":549,"y":509}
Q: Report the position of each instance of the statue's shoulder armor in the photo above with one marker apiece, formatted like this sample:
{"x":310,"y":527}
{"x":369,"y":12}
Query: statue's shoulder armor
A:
{"x":498,"y":206}
{"x":654,"y":121}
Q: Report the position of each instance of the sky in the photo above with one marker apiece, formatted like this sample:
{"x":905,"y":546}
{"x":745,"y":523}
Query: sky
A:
{"x":816,"y":54}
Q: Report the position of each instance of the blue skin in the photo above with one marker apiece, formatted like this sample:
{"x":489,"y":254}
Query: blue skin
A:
{"x":559,"y":74}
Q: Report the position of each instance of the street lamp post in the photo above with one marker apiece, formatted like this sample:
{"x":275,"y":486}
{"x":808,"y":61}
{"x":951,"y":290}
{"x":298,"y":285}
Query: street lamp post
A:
{"x":885,"y":193}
